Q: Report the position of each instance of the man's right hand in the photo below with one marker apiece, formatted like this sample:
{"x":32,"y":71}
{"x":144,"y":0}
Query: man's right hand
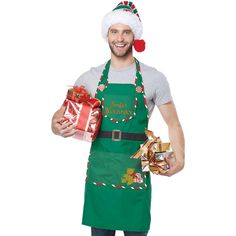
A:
{"x":61,"y":126}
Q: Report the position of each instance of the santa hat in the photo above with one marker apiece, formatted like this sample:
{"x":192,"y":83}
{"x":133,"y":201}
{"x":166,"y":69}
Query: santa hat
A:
{"x":127,"y":14}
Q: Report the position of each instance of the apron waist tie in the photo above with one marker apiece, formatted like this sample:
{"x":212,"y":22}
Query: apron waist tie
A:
{"x":117,"y":135}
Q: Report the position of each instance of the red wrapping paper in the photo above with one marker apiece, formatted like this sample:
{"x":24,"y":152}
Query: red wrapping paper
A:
{"x":83,"y":111}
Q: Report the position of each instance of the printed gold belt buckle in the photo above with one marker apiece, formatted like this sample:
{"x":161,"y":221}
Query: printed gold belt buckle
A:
{"x":116,"y":135}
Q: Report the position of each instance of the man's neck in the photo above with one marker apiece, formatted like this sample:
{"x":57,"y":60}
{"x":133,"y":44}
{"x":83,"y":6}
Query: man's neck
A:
{"x":121,"y":62}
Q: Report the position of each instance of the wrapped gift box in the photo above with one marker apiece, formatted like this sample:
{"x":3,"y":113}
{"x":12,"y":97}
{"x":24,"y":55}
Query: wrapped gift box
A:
{"x":153,"y":154}
{"x":84,"y":111}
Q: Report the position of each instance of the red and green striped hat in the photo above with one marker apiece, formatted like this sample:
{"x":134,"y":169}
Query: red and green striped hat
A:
{"x":125,"y":13}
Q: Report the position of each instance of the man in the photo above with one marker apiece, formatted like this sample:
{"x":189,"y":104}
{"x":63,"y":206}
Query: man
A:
{"x":117,"y":192}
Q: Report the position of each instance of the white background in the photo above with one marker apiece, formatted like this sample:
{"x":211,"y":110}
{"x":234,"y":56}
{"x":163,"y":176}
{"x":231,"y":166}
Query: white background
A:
{"x":45,"y":45}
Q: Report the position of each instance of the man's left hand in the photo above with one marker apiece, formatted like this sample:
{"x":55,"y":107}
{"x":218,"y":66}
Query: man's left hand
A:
{"x":175,"y":165}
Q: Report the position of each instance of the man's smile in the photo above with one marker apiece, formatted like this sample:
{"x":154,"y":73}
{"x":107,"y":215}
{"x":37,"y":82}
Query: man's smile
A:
{"x":120,"y":45}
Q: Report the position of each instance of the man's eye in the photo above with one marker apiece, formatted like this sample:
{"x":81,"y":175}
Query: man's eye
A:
{"x":113,"y":31}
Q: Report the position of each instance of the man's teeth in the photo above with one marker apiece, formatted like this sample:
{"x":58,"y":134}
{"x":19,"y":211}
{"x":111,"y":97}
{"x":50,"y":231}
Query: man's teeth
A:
{"x":120,"y":45}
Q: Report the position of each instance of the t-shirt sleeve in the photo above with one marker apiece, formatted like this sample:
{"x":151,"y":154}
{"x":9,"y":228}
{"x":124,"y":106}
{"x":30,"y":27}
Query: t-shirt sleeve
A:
{"x":86,"y":80}
{"x":83,"y":79}
{"x":162,"y":93}
{"x":89,"y":80}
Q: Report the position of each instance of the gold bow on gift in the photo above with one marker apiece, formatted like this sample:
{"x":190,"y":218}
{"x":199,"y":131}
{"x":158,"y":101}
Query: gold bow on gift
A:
{"x":153,"y":154}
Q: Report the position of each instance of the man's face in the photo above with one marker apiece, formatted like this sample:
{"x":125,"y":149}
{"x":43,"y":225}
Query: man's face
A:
{"x":120,"y":39}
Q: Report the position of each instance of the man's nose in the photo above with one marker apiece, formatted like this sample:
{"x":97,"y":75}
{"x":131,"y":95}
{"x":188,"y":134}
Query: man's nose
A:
{"x":120,"y":37}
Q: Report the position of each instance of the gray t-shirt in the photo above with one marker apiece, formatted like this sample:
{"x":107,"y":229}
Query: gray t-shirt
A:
{"x":156,"y":86}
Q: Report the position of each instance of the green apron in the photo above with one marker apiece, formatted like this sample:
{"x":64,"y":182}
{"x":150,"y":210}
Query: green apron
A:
{"x":117,"y":192}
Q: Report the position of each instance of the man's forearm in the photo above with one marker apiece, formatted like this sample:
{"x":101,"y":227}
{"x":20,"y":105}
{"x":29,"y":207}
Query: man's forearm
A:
{"x":177,"y":141}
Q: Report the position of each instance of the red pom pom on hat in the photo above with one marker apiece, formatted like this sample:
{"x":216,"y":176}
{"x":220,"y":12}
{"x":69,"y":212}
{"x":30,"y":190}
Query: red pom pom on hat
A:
{"x":139,"y":45}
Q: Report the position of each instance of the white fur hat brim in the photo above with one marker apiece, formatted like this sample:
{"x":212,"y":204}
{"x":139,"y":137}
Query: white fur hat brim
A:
{"x":122,"y":17}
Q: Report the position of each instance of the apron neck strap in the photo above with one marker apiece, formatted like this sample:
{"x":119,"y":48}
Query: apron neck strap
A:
{"x":104,"y":77}
{"x":105,"y":72}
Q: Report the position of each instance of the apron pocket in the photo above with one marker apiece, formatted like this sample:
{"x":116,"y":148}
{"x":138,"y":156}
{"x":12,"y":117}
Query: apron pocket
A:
{"x":106,"y":168}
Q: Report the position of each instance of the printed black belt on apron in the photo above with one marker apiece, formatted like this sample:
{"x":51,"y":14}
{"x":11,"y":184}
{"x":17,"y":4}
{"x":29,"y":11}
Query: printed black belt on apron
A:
{"x":117,"y":135}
